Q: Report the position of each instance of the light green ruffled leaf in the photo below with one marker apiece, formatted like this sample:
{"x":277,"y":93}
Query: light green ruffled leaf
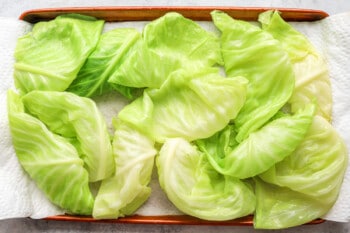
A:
{"x":50,"y":160}
{"x":51,"y":55}
{"x":77,"y":117}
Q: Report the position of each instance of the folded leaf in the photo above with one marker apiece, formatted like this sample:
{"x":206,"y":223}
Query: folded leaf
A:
{"x":188,"y":105}
{"x":316,"y":167}
{"x":263,"y":148}
{"x":50,"y":160}
{"x":195,"y":188}
{"x":168,"y":43}
{"x":50,"y":57}
{"x":280,"y":207}
{"x":310,"y":68}
{"x":124,"y":192}
{"x":111,"y":51}
{"x":77,"y":117}
{"x":254,"y":54}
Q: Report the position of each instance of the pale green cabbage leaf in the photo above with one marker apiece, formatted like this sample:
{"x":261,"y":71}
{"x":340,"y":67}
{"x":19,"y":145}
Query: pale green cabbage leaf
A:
{"x":50,"y":160}
{"x":262,"y":149}
{"x":310,"y":68}
{"x":316,"y":167}
{"x":51,"y":55}
{"x":168,"y":43}
{"x":254,"y":54}
{"x":124,"y":192}
{"x":111,"y":51}
{"x":280,"y":207}
{"x":188,"y":105}
{"x":196,"y":189}
{"x":77,"y":117}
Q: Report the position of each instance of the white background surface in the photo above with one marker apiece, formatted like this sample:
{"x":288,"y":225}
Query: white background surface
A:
{"x":13,"y":8}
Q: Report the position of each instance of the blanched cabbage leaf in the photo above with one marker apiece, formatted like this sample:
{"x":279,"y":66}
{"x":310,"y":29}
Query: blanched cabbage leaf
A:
{"x":263,"y":148}
{"x":168,"y":43}
{"x":77,"y":117}
{"x":50,"y":57}
{"x":50,"y":160}
{"x":310,"y":68}
{"x":316,"y":167}
{"x":111,"y":51}
{"x":195,"y":188}
{"x":254,"y":54}
{"x":280,"y":207}
{"x":188,"y":105}
{"x":127,"y":189}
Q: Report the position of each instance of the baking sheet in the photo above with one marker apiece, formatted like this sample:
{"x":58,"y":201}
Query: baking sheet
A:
{"x":125,"y":14}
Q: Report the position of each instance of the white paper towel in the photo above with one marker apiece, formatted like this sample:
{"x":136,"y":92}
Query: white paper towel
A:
{"x":19,"y":196}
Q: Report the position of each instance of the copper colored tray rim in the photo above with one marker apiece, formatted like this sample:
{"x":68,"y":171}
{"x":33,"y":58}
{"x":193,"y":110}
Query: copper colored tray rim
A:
{"x":113,"y":14}
{"x":125,"y":13}
{"x":166,"y":220}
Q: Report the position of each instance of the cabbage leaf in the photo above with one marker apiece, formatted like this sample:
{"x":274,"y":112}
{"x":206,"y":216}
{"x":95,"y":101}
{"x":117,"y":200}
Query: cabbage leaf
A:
{"x":77,"y":117}
{"x":316,"y":167}
{"x":188,"y":105}
{"x":280,"y":207}
{"x":310,"y":68}
{"x":254,"y":54}
{"x":51,"y":55}
{"x":263,"y":148}
{"x":111,"y":51}
{"x":127,"y":189}
{"x":195,"y":188}
{"x":168,"y":43}
{"x":50,"y":160}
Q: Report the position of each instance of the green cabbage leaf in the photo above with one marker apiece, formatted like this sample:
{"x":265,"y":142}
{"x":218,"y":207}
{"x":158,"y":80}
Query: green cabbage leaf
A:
{"x":51,"y":55}
{"x":188,"y":105}
{"x":280,"y":207}
{"x":196,"y":189}
{"x":111,"y":51}
{"x":168,"y":43}
{"x":317,"y":166}
{"x":76,"y":117}
{"x":254,"y":54}
{"x":50,"y":160}
{"x":312,"y":80}
{"x":124,"y":192}
{"x":262,"y":149}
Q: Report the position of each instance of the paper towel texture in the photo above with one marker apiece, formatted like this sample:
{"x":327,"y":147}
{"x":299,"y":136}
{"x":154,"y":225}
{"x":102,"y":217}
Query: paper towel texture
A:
{"x":19,"y":196}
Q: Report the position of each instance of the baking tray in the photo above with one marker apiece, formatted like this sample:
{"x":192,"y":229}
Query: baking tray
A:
{"x":115,"y":14}
{"x":120,"y":14}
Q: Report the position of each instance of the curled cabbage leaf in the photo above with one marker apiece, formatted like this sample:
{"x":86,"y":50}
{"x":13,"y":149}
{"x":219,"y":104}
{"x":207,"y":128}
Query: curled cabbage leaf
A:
{"x":195,"y":188}
{"x":280,"y":207}
{"x":312,"y":81}
{"x":263,"y":148}
{"x":317,"y":166}
{"x":188,"y":105}
{"x":50,"y":160}
{"x":111,"y":51}
{"x":127,"y":189}
{"x":254,"y":54}
{"x":168,"y":43}
{"x":51,"y":55}
{"x":77,"y":117}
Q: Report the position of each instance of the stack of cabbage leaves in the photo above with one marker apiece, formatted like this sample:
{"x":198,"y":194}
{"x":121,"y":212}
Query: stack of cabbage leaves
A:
{"x":236,"y":121}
